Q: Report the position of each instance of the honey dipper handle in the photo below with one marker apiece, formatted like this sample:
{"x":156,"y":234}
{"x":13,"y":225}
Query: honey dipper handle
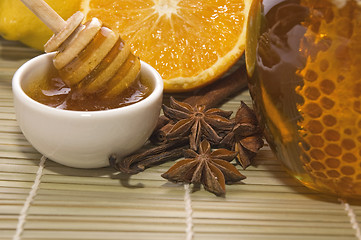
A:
{"x":46,"y":14}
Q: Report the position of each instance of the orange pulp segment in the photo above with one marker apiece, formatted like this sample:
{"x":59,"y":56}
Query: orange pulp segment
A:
{"x":190,"y":43}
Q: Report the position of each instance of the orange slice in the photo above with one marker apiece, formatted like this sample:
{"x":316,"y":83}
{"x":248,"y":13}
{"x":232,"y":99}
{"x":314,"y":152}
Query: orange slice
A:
{"x":190,"y":43}
{"x":252,"y":35}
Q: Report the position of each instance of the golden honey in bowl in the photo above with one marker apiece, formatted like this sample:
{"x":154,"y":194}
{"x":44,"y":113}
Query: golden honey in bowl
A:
{"x":52,"y":91}
{"x":306,"y":88}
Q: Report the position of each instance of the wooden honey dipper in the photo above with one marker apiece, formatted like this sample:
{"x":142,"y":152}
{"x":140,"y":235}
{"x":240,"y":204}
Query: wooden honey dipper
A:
{"x":89,"y":56}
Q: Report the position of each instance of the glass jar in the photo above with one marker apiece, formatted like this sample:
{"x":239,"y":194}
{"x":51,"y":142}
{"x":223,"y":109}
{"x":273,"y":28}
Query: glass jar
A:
{"x":304,"y":62}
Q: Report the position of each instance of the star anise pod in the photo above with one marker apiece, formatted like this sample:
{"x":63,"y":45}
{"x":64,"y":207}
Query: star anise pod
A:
{"x":197,"y":122}
{"x":245,"y":137}
{"x":212,"y":169}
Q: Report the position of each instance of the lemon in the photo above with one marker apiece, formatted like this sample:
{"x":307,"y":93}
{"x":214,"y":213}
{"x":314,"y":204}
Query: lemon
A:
{"x":20,"y":24}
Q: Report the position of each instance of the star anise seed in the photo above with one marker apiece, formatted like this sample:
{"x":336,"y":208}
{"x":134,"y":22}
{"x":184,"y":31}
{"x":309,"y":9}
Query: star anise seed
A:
{"x":211,"y":169}
{"x":197,"y":122}
{"x":245,"y":137}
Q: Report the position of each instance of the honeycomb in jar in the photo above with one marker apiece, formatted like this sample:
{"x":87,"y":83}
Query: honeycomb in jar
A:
{"x":330,"y":128}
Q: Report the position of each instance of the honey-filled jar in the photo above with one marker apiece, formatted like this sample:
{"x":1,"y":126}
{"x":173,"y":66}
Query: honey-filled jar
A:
{"x":304,"y":63}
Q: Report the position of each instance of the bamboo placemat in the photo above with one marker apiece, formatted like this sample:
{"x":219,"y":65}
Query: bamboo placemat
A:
{"x":40,"y":199}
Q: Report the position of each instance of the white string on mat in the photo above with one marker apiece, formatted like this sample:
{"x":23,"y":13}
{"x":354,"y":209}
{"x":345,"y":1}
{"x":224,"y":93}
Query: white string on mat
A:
{"x":189,"y":212}
{"x":351,"y":214}
{"x":29,"y":200}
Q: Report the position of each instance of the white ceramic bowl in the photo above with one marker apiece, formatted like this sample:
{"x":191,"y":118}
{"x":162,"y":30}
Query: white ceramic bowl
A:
{"x":78,"y":138}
